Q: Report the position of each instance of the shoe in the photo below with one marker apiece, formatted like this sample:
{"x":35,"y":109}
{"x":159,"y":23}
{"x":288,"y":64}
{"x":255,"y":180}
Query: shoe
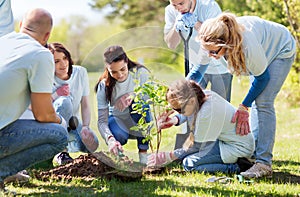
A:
{"x":73,"y":123}
{"x":244,"y":164}
{"x":63,"y":158}
{"x":20,"y":177}
{"x":258,"y":170}
{"x":143,"y":158}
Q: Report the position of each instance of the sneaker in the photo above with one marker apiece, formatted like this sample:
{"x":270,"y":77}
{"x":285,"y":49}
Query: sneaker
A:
{"x":20,"y":177}
{"x":73,"y":123}
{"x":63,"y":158}
{"x":143,"y":158}
{"x":244,"y":164}
{"x":258,"y":170}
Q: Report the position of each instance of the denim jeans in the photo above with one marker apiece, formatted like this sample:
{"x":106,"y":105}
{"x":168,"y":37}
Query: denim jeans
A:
{"x":26,"y":142}
{"x":207,"y":158}
{"x":263,"y":118}
{"x":220,"y":83}
{"x":120,"y":129}
{"x":63,"y":106}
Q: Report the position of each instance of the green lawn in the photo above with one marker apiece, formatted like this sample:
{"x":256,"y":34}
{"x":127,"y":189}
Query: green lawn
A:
{"x":175,"y":182}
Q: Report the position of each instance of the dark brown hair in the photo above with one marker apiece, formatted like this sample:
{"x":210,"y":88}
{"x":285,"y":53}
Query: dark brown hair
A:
{"x":114,"y":54}
{"x":58,"y":47}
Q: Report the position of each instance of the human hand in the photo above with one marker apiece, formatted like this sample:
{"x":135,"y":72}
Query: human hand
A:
{"x":63,"y":90}
{"x":164,"y":121}
{"x":123,"y":102}
{"x":189,"y":19}
{"x":88,"y":139}
{"x":185,"y":21}
{"x":159,"y":159}
{"x":241,"y":118}
{"x":114,"y":146}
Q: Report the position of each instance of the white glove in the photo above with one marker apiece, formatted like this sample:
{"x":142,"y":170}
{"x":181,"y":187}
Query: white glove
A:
{"x":114,"y":146}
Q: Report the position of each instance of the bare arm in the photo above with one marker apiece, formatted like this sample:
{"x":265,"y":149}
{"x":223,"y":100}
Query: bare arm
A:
{"x":85,"y":111}
{"x":172,"y":38}
{"x":43,"y":111}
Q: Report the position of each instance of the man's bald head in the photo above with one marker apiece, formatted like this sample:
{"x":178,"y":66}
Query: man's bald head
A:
{"x":38,"y":24}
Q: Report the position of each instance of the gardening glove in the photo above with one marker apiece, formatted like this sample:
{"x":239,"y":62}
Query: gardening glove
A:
{"x":159,"y":159}
{"x":123,"y":102}
{"x":63,"y":90}
{"x":241,"y":118}
{"x":164,"y":121}
{"x":189,"y":19}
{"x":89,"y":139}
{"x":180,"y":26}
{"x":114,"y":146}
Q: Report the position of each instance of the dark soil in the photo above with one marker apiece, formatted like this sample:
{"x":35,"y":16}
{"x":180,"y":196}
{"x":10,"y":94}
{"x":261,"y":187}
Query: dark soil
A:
{"x":93,"y":166}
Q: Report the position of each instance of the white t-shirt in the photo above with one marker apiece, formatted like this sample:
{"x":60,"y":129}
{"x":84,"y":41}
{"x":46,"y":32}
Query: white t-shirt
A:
{"x":127,"y":86}
{"x":6,"y":19}
{"x":79,"y":86}
{"x":25,"y":66}
{"x":263,"y":42}
{"x":214,"y":122}
{"x":204,"y":10}
{"x":119,"y":90}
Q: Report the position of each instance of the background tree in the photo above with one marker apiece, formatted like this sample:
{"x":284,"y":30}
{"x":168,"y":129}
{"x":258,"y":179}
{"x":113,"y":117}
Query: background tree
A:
{"x":135,"y":13}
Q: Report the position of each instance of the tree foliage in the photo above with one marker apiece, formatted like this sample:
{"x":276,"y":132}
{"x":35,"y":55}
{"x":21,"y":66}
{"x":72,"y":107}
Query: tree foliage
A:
{"x":135,"y":13}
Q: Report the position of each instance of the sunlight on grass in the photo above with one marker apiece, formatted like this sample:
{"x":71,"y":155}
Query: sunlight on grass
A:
{"x":176,"y":182}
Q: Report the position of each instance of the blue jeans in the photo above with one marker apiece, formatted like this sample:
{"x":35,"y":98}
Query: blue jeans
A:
{"x":263,"y":118}
{"x":27,"y":142}
{"x":220,"y":83}
{"x":206,"y":157}
{"x":64,"y":107}
{"x":120,"y":129}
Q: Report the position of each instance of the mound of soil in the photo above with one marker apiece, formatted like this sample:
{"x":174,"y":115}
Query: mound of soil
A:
{"x":95,"y":165}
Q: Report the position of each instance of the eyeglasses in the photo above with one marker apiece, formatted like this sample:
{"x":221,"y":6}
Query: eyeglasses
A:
{"x":215,"y":52}
{"x":181,"y":110}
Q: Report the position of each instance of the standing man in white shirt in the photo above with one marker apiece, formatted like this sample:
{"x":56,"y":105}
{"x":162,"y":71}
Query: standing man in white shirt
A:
{"x":180,"y":15}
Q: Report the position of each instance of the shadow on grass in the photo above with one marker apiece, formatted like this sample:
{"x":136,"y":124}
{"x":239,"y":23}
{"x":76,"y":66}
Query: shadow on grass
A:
{"x":285,"y":163}
{"x":284,"y":175}
{"x":143,"y":188}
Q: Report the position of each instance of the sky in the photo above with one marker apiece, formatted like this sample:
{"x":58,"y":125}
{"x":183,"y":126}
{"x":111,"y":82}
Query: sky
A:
{"x":58,"y":8}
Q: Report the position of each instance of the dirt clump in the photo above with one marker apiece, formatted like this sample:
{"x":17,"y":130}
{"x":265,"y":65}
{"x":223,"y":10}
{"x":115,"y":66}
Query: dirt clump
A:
{"x":95,"y":165}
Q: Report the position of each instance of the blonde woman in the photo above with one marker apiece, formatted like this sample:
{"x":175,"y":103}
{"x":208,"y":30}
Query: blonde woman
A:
{"x":211,"y":147}
{"x":264,"y":50}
